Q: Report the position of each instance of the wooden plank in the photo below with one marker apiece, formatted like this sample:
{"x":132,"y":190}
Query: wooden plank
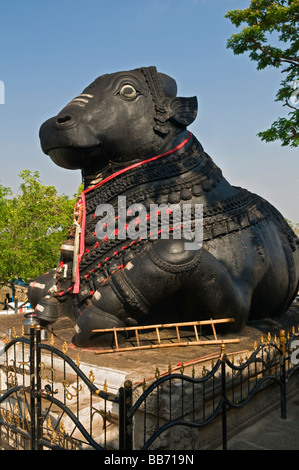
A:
{"x":214,"y":330}
{"x":115,"y":338}
{"x":137,"y":338}
{"x":158,"y":335}
{"x":165,"y":325}
{"x":178,"y":334}
{"x":168,"y":345}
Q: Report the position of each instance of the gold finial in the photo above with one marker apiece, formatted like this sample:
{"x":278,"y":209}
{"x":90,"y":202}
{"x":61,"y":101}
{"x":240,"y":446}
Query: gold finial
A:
{"x":282,"y":340}
{"x":27,"y":414}
{"x":62,"y":427}
{"x":269,"y":337}
{"x":16,"y":409}
{"x":91,"y":376}
{"x":255,"y":345}
{"x":13,"y":332}
{"x":182,"y":368}
{"x":222,"y":348}
{"x":78,"y":360}
{"x":157,"y":373}
{"x":143,"y":385}
{"x":169,"y":368}
{"x":52,"y":340}
{"x":64,"y":348}
{"x":193,"y":372}
{"x":262,"y":338}
{"x":293,"y":330}
{"x":105,"y":388}
{"x":275,"y":339}
{"x":128,"y":384}
{"x":23,"y":331}
{"x":49,"y":423}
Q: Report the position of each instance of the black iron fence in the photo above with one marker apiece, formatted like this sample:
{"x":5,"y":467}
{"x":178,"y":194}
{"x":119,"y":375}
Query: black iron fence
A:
{"x":48,"y":401}
{"x":225,"y":386}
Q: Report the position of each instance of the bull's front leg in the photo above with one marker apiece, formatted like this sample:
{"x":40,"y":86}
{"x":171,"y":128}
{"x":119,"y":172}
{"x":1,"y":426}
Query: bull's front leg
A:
{"x":130,"y":292}
{"x":41,"y":286}
{"x":44,"y":293}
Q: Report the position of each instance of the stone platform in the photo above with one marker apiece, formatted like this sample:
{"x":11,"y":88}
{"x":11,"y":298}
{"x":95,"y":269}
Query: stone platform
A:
{"x":112,"y":369}
{"x":138,"y":365}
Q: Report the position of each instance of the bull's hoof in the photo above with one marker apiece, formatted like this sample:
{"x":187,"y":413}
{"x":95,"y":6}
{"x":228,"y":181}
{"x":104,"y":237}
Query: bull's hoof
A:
{"x":99,"y":340}
{"x":92,"y":319}
{"x":47,"y":309}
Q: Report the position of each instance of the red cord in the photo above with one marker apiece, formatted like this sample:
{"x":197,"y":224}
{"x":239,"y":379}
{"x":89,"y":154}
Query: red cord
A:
{"x":109,"y":178}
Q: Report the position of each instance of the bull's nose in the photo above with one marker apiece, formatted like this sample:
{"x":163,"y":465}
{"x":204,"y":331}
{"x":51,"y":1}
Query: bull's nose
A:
{"x":65,"y":121}
{"x":66,"y":131}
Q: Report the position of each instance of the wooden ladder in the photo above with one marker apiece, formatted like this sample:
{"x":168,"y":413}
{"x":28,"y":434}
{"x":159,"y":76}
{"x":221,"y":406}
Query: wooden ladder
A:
{"x":161,"y":342}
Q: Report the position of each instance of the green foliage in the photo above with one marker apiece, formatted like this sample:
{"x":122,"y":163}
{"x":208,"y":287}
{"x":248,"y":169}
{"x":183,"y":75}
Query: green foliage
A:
{"x":294,"y":226}
{"x":269,"y":23}
{"x":33,"y":225}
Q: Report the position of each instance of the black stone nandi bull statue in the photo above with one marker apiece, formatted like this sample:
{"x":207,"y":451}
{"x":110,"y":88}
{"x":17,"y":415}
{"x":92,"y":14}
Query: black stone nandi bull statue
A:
{"x":127,"y":133}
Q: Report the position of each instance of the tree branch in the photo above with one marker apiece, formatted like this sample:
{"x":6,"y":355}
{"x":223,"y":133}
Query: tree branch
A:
{"x":290,"y":106}
{"x":290,"y":60}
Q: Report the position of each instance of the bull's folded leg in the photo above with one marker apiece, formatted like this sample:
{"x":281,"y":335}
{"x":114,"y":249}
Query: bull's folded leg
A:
{"x":91,"y":319}
{"x":159,"y":271}
{"x":130,"y":292}
{"x":104,"y":311}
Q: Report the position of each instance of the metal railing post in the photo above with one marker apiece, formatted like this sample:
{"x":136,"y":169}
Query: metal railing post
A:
{"x":32,"y":387}
{"x":223,"y":393}
{"x":39,"y":419}
{"x":283,"y":386}
{"x":125,"y":417}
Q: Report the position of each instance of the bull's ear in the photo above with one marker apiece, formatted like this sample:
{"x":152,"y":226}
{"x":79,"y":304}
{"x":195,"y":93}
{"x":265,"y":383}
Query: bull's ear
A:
{"x":184,"y":110}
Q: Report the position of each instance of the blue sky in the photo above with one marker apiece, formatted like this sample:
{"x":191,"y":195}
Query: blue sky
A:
{"x":51,"y":50}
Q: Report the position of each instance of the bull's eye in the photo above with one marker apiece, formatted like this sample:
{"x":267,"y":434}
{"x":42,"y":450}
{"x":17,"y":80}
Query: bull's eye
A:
{"x":128,"y":91}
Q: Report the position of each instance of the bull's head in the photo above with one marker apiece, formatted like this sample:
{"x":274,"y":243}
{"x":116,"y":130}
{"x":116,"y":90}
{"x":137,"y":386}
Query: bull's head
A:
{"x":120,"y":117}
